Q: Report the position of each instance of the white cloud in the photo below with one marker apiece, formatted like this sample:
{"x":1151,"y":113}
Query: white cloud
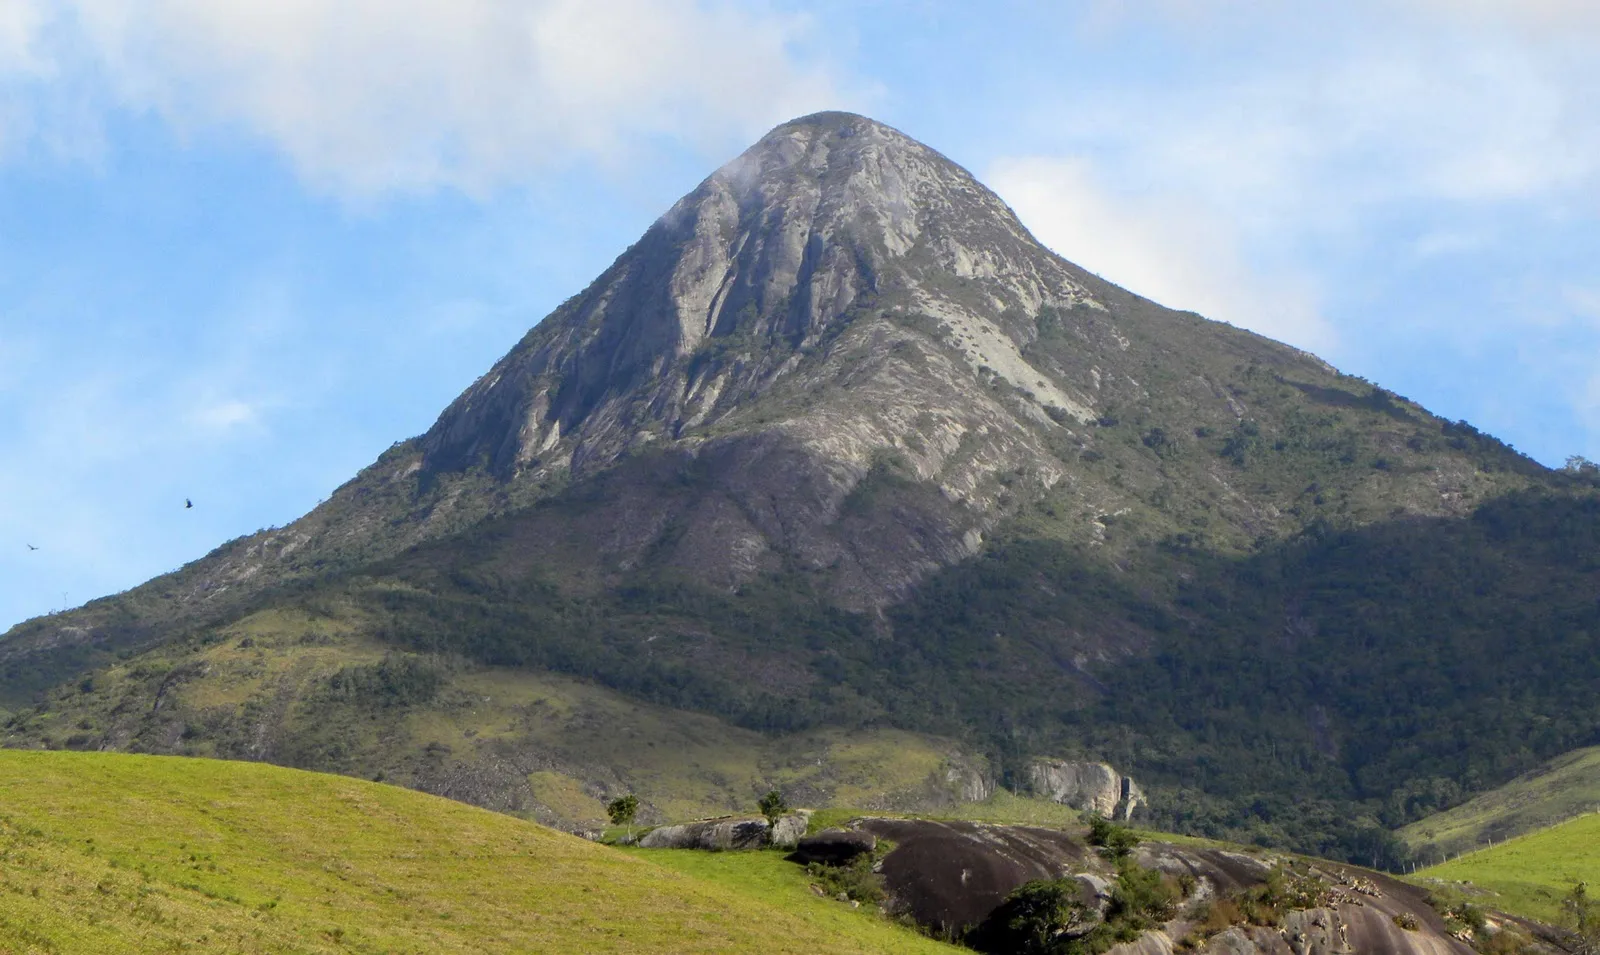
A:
{"x":1160,"y":245}
{"x":225,"y":415}
{"x":20,"y":25}
{"x":366,"y":96}
{"x":1282,"y":152}
{"x":1564,"y":17}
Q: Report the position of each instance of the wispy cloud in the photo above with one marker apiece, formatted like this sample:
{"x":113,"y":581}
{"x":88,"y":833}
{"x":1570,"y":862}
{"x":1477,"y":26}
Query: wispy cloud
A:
{"x":1177,"y":252}
{"x":1283,"y":143}
{"x":368,"y":96}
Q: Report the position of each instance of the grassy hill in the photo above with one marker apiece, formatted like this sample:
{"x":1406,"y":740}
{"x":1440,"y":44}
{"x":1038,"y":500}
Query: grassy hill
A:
{"x":313,"y":689}
{"x":109,"y":853}
{"x":1565,"y":787}
{"x":1528,"y":875}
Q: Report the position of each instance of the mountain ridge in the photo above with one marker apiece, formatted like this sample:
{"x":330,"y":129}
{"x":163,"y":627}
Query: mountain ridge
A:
{"x":837,"y":443}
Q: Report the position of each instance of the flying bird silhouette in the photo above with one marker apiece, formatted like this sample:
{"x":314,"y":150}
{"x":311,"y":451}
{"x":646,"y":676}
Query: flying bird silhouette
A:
{"x":188,"y":503}
{"x":31,"y":547}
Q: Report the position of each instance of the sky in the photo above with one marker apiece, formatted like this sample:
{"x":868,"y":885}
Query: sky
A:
{"x":245,"y":246}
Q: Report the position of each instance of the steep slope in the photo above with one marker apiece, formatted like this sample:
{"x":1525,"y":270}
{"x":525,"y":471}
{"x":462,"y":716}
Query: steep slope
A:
{"x":113,"y":853}
{"x":837,"y":305}
{"x":1561,"y":789}
{"x":836,"y":444}
{"x":1528,"y":875}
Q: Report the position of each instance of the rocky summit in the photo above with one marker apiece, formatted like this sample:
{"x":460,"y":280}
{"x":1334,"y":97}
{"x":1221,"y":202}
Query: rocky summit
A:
{"x":835,"y":460}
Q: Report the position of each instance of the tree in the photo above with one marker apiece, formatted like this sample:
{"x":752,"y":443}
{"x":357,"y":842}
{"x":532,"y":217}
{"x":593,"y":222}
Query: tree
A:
{"x":622,"y":811}
{"x":1582,"y":915}
{"x":1118,"y":842}
{"x":1034,"y":919}
{"x":772,"y":806}
{"x":1578,"y":464}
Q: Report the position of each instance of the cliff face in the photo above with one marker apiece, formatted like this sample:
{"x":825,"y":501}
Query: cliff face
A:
{"x":836,"y":299}
{"x":1091,"y":787}
{"x":820,"y":228}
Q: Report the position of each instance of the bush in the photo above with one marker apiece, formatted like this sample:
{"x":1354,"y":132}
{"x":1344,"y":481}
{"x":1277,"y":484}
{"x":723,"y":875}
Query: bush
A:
{"x":772,"y":806}
{"x":1142,"y":898}
{"x":1117,"y":841}
{"x":396,"y":680}
{"x":1047,"y":916}
{"x":1035,"y":919}
{"x":855,"y":880}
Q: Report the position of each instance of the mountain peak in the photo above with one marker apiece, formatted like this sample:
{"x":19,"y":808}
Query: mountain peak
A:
{"x":826,"y":218}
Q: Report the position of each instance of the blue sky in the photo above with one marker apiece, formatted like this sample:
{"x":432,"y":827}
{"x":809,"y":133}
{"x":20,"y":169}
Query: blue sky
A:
{"x":246,"y":245}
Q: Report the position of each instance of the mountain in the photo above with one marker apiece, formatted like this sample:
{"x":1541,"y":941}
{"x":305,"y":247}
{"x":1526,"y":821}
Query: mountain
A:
{"x":838,"y":449}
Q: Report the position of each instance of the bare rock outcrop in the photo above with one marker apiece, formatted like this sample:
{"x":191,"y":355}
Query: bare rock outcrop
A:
{"x":731,"y":832}
{"x":1091,"y":787}
{"x":949,"y":876}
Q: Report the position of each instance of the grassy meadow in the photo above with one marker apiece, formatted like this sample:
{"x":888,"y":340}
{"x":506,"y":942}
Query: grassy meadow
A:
{"x":1528,"y":875}
{"x":108,"y":853}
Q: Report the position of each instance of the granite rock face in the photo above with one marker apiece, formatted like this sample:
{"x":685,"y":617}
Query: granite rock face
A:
{"x":948,"y":876}
{"x":720,"y":835}
{"x":716,"y":835}
{"x":1091,"y":787}
{"x":867,"y":293}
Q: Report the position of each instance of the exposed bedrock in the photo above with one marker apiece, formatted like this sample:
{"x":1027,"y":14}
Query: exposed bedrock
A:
{"x":1092,"y":787}
{"x":949,"y":876}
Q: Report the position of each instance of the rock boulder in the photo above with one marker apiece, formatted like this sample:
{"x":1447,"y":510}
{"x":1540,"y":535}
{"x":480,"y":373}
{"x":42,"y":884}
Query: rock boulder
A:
{"x":729,"y":832}
{"x":714,"y":834}
{"x":1092,"y":787}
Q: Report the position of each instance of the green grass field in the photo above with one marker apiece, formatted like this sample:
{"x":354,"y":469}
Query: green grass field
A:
{"x":107,"y":853}
{"x":1528,"y":875}
{"x":1565,"y":787}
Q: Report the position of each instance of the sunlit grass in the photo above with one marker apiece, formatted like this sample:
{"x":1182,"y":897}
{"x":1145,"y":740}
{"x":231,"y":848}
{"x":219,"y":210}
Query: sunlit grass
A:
{"x":109,"y":853}
{"x":1529,"y":875}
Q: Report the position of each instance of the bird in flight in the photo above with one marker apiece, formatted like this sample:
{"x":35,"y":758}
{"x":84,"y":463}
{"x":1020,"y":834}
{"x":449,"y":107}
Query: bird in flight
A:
{"x":188,"y":503}
{"x":31,"y":547}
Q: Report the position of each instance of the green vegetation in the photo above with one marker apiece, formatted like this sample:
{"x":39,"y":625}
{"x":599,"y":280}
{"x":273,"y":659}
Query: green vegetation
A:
{"x":622,"y":810}
{"x":282,"y":685}
{"x":1563,"y":788}
{"x":1286,"y":889}
{"x":764,"y":876}
{"x":1314,"y":694}
{"x":854,"y":881}
{"x":772,"y":806}
{"x":109,"y":853}
{"x":1300,"y":609}
{"x":1529,"y":875}
{"x":1117,"y":842}
{"x":1047,"y":917}
{"x":1580,"y":912}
